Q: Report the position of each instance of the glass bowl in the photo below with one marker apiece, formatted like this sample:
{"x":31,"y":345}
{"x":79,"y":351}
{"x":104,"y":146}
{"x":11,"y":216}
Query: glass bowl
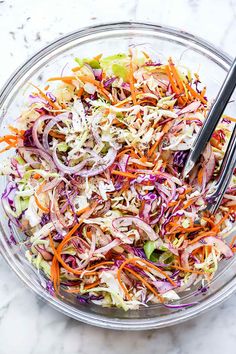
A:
{"x":108,"y":39}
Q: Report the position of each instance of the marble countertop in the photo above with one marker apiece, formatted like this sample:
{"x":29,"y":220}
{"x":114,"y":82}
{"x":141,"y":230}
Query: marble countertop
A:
{"x":30,"y":326}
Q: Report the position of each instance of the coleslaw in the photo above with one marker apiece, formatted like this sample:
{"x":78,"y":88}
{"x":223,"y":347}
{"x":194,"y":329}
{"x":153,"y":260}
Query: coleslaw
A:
{"x":95,"y":182}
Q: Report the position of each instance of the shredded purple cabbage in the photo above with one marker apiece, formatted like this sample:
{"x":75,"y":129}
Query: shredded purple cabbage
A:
{"x":108,"y":82}
{"x":51,"y":96}
{"x":28,"y":138}
{"x":180,"y":158}
{"x":50,"y":288}
{"x":86,"y":298}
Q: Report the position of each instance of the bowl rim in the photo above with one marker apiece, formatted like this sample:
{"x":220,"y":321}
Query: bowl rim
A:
{"x":100,"y":320}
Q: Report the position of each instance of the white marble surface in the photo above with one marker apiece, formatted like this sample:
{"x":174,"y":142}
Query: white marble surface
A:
{"x":26,"y":324}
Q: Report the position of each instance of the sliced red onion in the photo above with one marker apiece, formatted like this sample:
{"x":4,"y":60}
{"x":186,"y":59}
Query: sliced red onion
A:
{"x":123,"y":162}
{"x":126,"y":221}
{"x":90,"y":69}
{"x":50,"y":185}
{"x":98,"y":74}
{"x":59,"y":214}
{"x":156,"y":219}
{"x":207,"y":241}
{"x":69,"y":169}
{"x":192,"y":107}
{"x":185,"y":285}
{"x":164,"y":190}
{"x":102,"y":239}
{"x":38,"y":152}
{"x":35,"y":128}
{"x":102,"y":209}
{"x":171,"y":248}
{"x":56,"y":223}
{"x":105,"y":249}
{"x":145,"y":213}
{"x":44,"y":253}
{"x":107,"y":162}
{"x":50,"y":125}
{"x":83,"y":252}
{"x":163,"y":286}
{"x":209,"y":163}
{"x":163,"y":85}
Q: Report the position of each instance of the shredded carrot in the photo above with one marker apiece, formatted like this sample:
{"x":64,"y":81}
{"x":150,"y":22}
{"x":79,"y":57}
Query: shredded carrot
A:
{"x":18,"y":132}
{"x":40,"y":206}
{"x":76,"y":68}
{"x":56,"y":135}
{"x":176,"y":75}
{"x":36,"y":176}
{"x":55,"y":271}
{"x":203,"y":92}
{"x":96,"y":83}
{"x":195,"y":94}
{"x":80,"y":92}
{"x":124,"y":151}
{"x":8,"y":139}
{"x":6,"y":148}
{"x":123,"y":287}
{"x":124,"y":174}
{"x":167,"y":126}
{"x":123,"y":103}
{"x":81,"y":211}
{"x":188,"y":203}
{"x":66,"y":239}
{"x":90,"y":286}
{"x":200,"y":176}
{"x":232,"y":241}
{"x":153,"y":148}
{"x":145,"y":283}
{"x":11,"y":140}
{"x":173,"y":85}
{"x":98,"y":57}
{"x":62,"y":78}
{"x":187,"y":270}
{"x":125,"y":186}
{"x":73,"y":291}
{"x":212,"y":224}
{"x":85,"y":78}
{"x":135,"y":260}
{"x":216,"y":227}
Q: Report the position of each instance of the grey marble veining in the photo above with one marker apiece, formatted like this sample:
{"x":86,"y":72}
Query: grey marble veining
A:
{"x":28,"y":326}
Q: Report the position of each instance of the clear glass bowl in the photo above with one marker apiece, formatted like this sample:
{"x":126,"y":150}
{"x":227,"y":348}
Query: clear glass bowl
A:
{"x":193,"y":52}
